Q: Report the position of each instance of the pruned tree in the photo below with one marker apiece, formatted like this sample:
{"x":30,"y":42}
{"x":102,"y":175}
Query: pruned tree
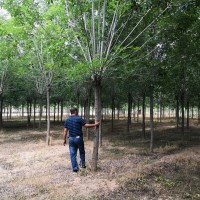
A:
{"x":100,"y":31}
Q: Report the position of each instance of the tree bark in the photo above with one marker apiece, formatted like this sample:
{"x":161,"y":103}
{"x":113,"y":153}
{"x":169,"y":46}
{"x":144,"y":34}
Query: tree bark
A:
{"x":129,"y":111}
{"x":54,"y":113}
{"x":143,"y":115}
{"x":177,"y":112}
{"x":61,"y":116}
{"x":183,"y":115}
{"x":58,"y":117}
{"x":188,"y":114}
{"x":40,"y":114}
{"x":138,"y":110}
{"x":10,"y":111}
{"x":87,"y":110}
{"x":199,"y":110}
{"x":48,"y":138}
{"x":134,"y":110}
{"x":151,"y":122}
{"x":113,"y":110}
{"x":34,"y":112}
{"x":1,"y":112}
{"x":28,"y":114}
{"x":22,"y":111}
{"x":97,"y":91}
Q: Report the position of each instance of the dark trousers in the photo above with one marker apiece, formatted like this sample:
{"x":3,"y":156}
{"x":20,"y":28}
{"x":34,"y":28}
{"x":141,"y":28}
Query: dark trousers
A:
{"x":76,"y":143}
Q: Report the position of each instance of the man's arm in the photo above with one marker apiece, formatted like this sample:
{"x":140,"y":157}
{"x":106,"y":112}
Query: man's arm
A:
{"x":92,"y":125}
{"x":65,"y":136}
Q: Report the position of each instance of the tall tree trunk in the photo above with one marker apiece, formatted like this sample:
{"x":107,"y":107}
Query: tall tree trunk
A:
{"x":93,"y":112}
{"x":129,"y":111}
{"x":40,"y":114}
{"x":160,"y":109}
{"x":113,"y":108}
{"x":151,"y":122}
{"x":34,"y":112}
{"x":10,"y":111}
{"x":30,"y":110}
{"x":28,"y":114}
{"x":46,"y":118}
{"x":87,"y":110}
{"x":58,"y":111}
{"x":143,"y":115}
{"x":192,"y":112}
{"x":183,"y":115}
{"x":22,"y":111}
{"x":138,"y":110}
{"x":78,"y":99}
{"x":134,"y":110}
{"x":7,"y":112}
{"x":82,"y":113}
{"x":1,"y":112}
{"x":199,"y":110}
{"x":54,"y":113}
{"x":48,"y":138}
{"x":97,"y":91}
{"x":61,"y":104}
{"x":188,"y":114}
{"x":177,"y":112}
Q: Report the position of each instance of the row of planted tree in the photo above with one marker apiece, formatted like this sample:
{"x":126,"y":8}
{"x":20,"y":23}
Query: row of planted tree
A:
{"x":132,"y":111}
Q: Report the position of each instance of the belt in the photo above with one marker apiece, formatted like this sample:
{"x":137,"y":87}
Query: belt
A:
{"x":78,"y":136}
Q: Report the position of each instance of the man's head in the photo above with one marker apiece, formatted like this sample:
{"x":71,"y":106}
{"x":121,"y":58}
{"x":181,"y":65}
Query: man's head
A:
{"x":74,"y":111}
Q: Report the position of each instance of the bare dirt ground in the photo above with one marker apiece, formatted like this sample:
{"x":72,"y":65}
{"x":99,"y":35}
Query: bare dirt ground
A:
{"x":31,"y":170}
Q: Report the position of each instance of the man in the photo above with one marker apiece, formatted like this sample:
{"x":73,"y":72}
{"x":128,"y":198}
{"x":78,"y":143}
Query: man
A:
{"x":74,"y":125}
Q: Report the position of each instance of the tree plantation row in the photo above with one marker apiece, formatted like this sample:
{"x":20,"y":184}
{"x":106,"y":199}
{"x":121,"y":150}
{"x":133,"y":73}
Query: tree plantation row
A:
{"x":101,"y":54}
{"x":58,"y":112}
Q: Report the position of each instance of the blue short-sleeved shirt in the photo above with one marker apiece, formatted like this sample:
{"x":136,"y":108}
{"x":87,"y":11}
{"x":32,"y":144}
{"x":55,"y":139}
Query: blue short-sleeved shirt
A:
{"x":74,"y":124}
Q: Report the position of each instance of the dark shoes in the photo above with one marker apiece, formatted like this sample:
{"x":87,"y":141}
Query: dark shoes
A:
{"x":82,"y":166}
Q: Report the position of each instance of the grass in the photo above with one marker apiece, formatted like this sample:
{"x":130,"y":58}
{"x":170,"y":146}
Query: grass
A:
{"x":126,"y":169}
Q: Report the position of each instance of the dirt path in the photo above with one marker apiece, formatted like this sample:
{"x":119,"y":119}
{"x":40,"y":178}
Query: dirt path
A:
{"x":32,"y":170}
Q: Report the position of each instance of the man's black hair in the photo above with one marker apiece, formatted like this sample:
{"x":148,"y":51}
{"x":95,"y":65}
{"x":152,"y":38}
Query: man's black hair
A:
{"x":73,"y":110}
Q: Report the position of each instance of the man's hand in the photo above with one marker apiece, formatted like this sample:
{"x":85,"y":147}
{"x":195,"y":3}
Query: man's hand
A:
{"x":97,"y":124}
{"x":65,"y":136}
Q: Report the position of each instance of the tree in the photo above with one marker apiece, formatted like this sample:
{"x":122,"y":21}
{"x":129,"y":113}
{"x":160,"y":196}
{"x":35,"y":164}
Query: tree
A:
{"x":98,"y":28}
{"x":8,"y":54}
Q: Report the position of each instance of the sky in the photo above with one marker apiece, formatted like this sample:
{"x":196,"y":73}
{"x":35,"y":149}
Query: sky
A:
{"x":4,"y":13}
